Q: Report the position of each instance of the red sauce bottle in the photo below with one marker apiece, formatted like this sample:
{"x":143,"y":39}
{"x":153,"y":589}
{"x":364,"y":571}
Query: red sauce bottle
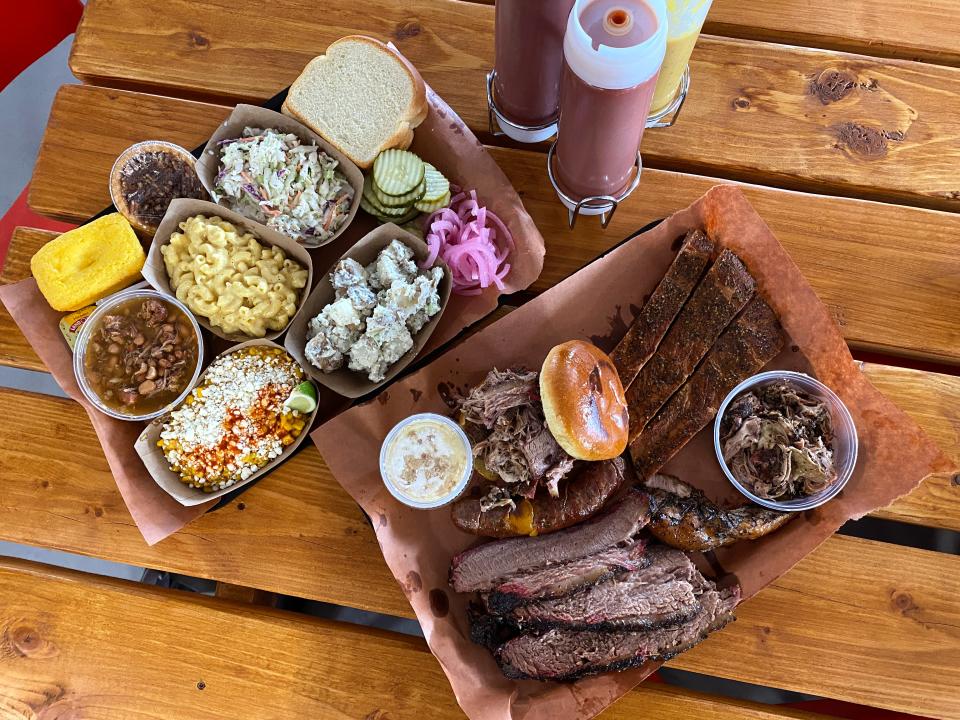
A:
{"x":528,"y":63}
{"x":612,"y":54}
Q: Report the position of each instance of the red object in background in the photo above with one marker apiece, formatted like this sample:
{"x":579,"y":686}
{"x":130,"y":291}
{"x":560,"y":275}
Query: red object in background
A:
{"x":20,"y":214}
{"x":31,"y":29}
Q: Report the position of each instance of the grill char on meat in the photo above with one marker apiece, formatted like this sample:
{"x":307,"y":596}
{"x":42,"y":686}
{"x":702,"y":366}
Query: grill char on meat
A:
{"x":648,"y":329}
{"x":582,"y":495}
{"x":751,"y":341}
{"x":662,"y":593}
{"x":684,"y":518}
{"x":565,"y":654}
{"x":505,"y":420}
{"x":484,"y":567}
{"x":562,"y":579}
{"x":722,"y":293}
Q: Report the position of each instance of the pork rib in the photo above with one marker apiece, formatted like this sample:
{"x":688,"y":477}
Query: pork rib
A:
{"x":648,"y":329}
{"x":751,"y":341}
{"x":722,"y":293}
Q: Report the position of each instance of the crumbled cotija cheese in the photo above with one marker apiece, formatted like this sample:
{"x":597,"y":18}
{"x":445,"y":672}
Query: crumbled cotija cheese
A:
{"x":234,"y":423}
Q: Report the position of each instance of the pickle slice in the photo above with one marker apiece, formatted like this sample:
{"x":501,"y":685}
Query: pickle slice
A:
{"x":404,"y":201}
{"x":437,"y":184}
{"x":429,"y":207}
{"x":378,"y":207}
{"x":397,"y":172}
{"x":404,"y":219}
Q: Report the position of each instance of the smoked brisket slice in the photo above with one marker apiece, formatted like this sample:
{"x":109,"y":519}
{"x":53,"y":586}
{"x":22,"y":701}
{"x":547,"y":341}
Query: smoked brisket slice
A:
{"x":717,"y":299}
{"x":486,"y":566}
{"x":662,"y":593}
{"x":562,"y":579}
{"x":750,"y":342}
{"x":565,"y":654}
{"x":654,"y":320}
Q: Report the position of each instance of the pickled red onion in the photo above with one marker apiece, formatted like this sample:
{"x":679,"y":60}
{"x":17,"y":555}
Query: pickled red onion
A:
{"x":472,"y":241}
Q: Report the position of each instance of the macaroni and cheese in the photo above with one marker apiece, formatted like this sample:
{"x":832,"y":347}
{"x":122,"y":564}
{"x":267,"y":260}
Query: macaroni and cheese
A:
{"x":238,"y":283}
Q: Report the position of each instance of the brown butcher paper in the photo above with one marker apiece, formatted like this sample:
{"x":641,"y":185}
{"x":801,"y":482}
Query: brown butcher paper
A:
{"x":598,"y":303}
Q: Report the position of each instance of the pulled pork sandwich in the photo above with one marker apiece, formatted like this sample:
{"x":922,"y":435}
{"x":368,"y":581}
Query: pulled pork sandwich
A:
{"x":546,"y":445}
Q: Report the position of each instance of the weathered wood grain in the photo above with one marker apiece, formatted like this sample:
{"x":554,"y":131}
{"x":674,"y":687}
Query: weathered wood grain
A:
{"x":894,"y":28}
{"x":149,"y":653}
{"x":299,"y":533}
{"x":907,"y":29}
{"x":890,"y":273}
{"x":752,"y":115}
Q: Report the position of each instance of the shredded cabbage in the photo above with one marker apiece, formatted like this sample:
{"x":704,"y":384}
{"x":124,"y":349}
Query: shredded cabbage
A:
{"x":275,"y":179}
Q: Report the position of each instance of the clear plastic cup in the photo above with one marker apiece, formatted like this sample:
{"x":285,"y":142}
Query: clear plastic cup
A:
{"x":86,"y":332}
{"x":455,"y":490}
{"x":845,"y":442}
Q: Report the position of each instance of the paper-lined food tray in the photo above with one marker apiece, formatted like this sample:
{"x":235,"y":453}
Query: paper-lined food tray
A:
{"x":254,"y":116}
{"x":895,"y":455}
{"x":344,"y":381}
{"x":156,"y":463}
{"x":155,"y":271}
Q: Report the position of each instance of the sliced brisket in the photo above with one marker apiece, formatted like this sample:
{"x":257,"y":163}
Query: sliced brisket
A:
{"x":565,"y":578}
{"x":722,"y":293}
{"x":565,"y":654}
{"x":654,"y":320}
{"x":661,"y":593}
{"x":752,"y":340}
{"x":486,"y":566}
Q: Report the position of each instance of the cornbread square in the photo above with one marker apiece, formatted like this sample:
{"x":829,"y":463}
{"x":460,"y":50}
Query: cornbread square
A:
{"x":88,"y":263}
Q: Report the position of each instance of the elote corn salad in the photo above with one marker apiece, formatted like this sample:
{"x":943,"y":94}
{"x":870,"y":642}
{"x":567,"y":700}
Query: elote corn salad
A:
{"x":234,"y":422}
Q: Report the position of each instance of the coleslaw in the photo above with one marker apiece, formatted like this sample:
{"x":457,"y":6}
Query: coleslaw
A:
{"x":276,"y":179}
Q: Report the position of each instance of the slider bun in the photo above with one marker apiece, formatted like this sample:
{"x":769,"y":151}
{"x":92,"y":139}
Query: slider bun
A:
{"x":583,"y":401}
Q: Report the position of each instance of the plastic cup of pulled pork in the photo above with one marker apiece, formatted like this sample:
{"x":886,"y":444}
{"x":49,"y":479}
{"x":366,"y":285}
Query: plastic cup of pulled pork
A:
{"x":785,"y":440}
{"x":426,"y":461}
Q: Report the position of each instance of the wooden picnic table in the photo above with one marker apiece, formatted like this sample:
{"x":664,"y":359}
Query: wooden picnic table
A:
{"x":874,"y":226}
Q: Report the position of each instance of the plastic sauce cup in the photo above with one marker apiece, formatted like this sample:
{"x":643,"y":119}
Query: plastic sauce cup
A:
{"x":845,"y":443}
{"x":418,"y":451}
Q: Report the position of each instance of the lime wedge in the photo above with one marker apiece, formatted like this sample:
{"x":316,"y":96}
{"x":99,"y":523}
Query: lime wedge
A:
{"x":303,"y":399}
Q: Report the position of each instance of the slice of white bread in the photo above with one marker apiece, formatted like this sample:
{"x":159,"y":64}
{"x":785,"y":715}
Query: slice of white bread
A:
{"x":361,"y":97}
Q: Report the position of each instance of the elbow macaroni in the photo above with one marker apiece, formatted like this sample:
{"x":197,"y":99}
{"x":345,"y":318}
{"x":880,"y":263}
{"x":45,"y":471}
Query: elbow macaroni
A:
{"x":239,"y":284}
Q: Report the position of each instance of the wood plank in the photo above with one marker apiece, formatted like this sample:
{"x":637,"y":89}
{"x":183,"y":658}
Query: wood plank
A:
{"x":902,"y":29}
{"x":128,"y":658}
{"x":775,"y":130}
{"x":56,"y":490}
{"x":889,"y":293}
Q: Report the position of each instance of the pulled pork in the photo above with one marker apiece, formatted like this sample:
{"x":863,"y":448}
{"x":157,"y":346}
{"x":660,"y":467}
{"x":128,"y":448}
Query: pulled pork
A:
{"x":778,"y":441}
{"x":517,"y":446}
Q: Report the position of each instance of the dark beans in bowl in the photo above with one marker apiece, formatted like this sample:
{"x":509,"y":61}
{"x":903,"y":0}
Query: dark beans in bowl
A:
{"x":141,"y":355}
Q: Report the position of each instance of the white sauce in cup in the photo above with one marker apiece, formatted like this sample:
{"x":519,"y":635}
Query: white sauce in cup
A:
{"x":426,"y":460}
